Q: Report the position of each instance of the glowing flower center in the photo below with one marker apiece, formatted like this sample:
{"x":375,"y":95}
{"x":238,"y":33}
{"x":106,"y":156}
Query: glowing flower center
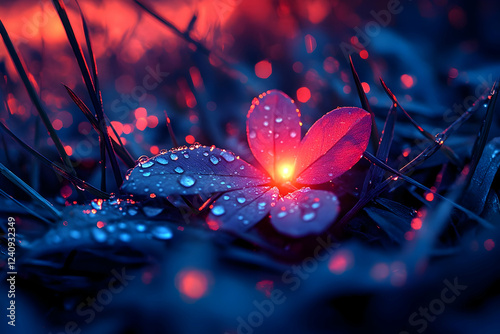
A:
{"x":286,"y":171}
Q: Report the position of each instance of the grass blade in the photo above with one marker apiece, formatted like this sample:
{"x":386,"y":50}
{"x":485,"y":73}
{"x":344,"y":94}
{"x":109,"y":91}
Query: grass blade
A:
{"x":375,"y":174}
{"x":170,"y":130}
{"x":446,"y":150}
{"x":30,"y":191}
{"x":35,"y":99}
{"x":80,"y":184}
{"x":480,"y":143}
{"x":91,"y":88}
{"x":33,"y":213}
{"x":374,"y":160}
{"x":374,"y":137}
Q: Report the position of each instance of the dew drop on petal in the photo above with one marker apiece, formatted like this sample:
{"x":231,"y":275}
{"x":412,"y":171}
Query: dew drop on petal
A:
{"x":147,"y":164}
{"x":226,"y":197}
{"x":161,"y":160}
{"x":75,"y":234}
{"x":125,"y":237}
{"x":279,"y":120}
{"x":205,"y":154}
{"x":151,"y":211}
{"x":162,"y":233}
{"x":99,"y":235}
{"x":266,"y":123}
{"x":186,"y":155}
{"x":146,"y":174}
{"x":241,"y":200}
{"x":132,"y":211}
{"x":293,"y":134}
{"x":227,"y":156}
{"x":214,"y":159}
{"x":267,"y":108}
{"x":187,"y":181}
{"x":179,"y":170}
{"x":140,"y":227}
{"x":308,"y":216}
{"x":315,"y":205}
{"x":281,"y":214}
{"x":173,"y":156}
{"x":252,"y":134}
{"x":218,"y":210}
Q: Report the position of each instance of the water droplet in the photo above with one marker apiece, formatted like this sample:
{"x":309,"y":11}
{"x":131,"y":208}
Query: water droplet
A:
{"x":99,"y":235}
{"x":218,"y":210}
{"x":205,"y":154}
{"x":161,"y":160}
{"x":96,"y":205}
{"x":151,"y":211}
{"x":173,"y":156}
{"x":162,"y":233}
{"x":147,"y":164}
{"x":240,"y":217}
{"x":242,"y":167}
{"x":187,"y":181}
{"x":214,"y":159}
{"x":226,"y":197}
{"x":279,"y":120}
{"x":132,"y":211}
{"x":241,"y":200}
{"x":281,"y":214}
{"x":140,"y":227}
{"x":125,"y":237}
{"x":146,"y":174}
{"x":75,"y":234}
{"x":227,"y":156}
{"x":179,"y":170}
{"x":308,"y":216}
{"x":266,"y":123}
{"x":315,"y":205}
{"x":246,"y":222}
{"x":293,"y":134}
{"x":267,"y":107}
{"x":252,"y":134}
{"x":186,"y":155}
{"x":142,"y":159}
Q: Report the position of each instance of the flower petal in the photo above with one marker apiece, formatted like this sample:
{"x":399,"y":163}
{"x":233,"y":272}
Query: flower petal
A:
{"x":304,"y":212}
{"x":193,"y":170}
{"x":241,"y":209}
{"x":332,"y":145}
{"x":273,"y":132}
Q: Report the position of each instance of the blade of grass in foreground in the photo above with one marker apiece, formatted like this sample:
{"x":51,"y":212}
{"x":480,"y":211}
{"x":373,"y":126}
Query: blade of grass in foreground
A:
{"x":28,"y":190}
{"x":374,"y":138}
{"x":95,"y":95}
{"x":80,"y":184}
{"x":33,"y":213}
{"x":35,"y":99}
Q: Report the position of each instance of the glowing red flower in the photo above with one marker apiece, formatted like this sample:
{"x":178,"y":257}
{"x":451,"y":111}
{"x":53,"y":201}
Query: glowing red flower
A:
{"x":331,"y":147}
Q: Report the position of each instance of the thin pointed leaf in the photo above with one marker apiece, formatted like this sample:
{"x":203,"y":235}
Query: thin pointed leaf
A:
{"x":91,"y":88}
{"x":30,"y":191}
{"x":170,"y":130}
{"x":239,"y":210}
{"x":35,"y":99}
{"x":471,"y":214}
{"x":480,"y":143}
{"x":70,"y":177}
{"x":375,"y":174}
{"x":305,"y":212}
{"x":33,"y":213}
{"x":189,"y":171}
{"x":365,"y":105}
{"x":483,"y":176}
{"x":446,"y":150}
{"x":273,"y":133}
{"x":332,"y":145}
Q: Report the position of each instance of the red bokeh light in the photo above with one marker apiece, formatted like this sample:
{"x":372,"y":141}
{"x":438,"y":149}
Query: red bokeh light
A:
{"x":303,"y":94}
{"x":263,"y":69}
{"x":192,"y":284}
